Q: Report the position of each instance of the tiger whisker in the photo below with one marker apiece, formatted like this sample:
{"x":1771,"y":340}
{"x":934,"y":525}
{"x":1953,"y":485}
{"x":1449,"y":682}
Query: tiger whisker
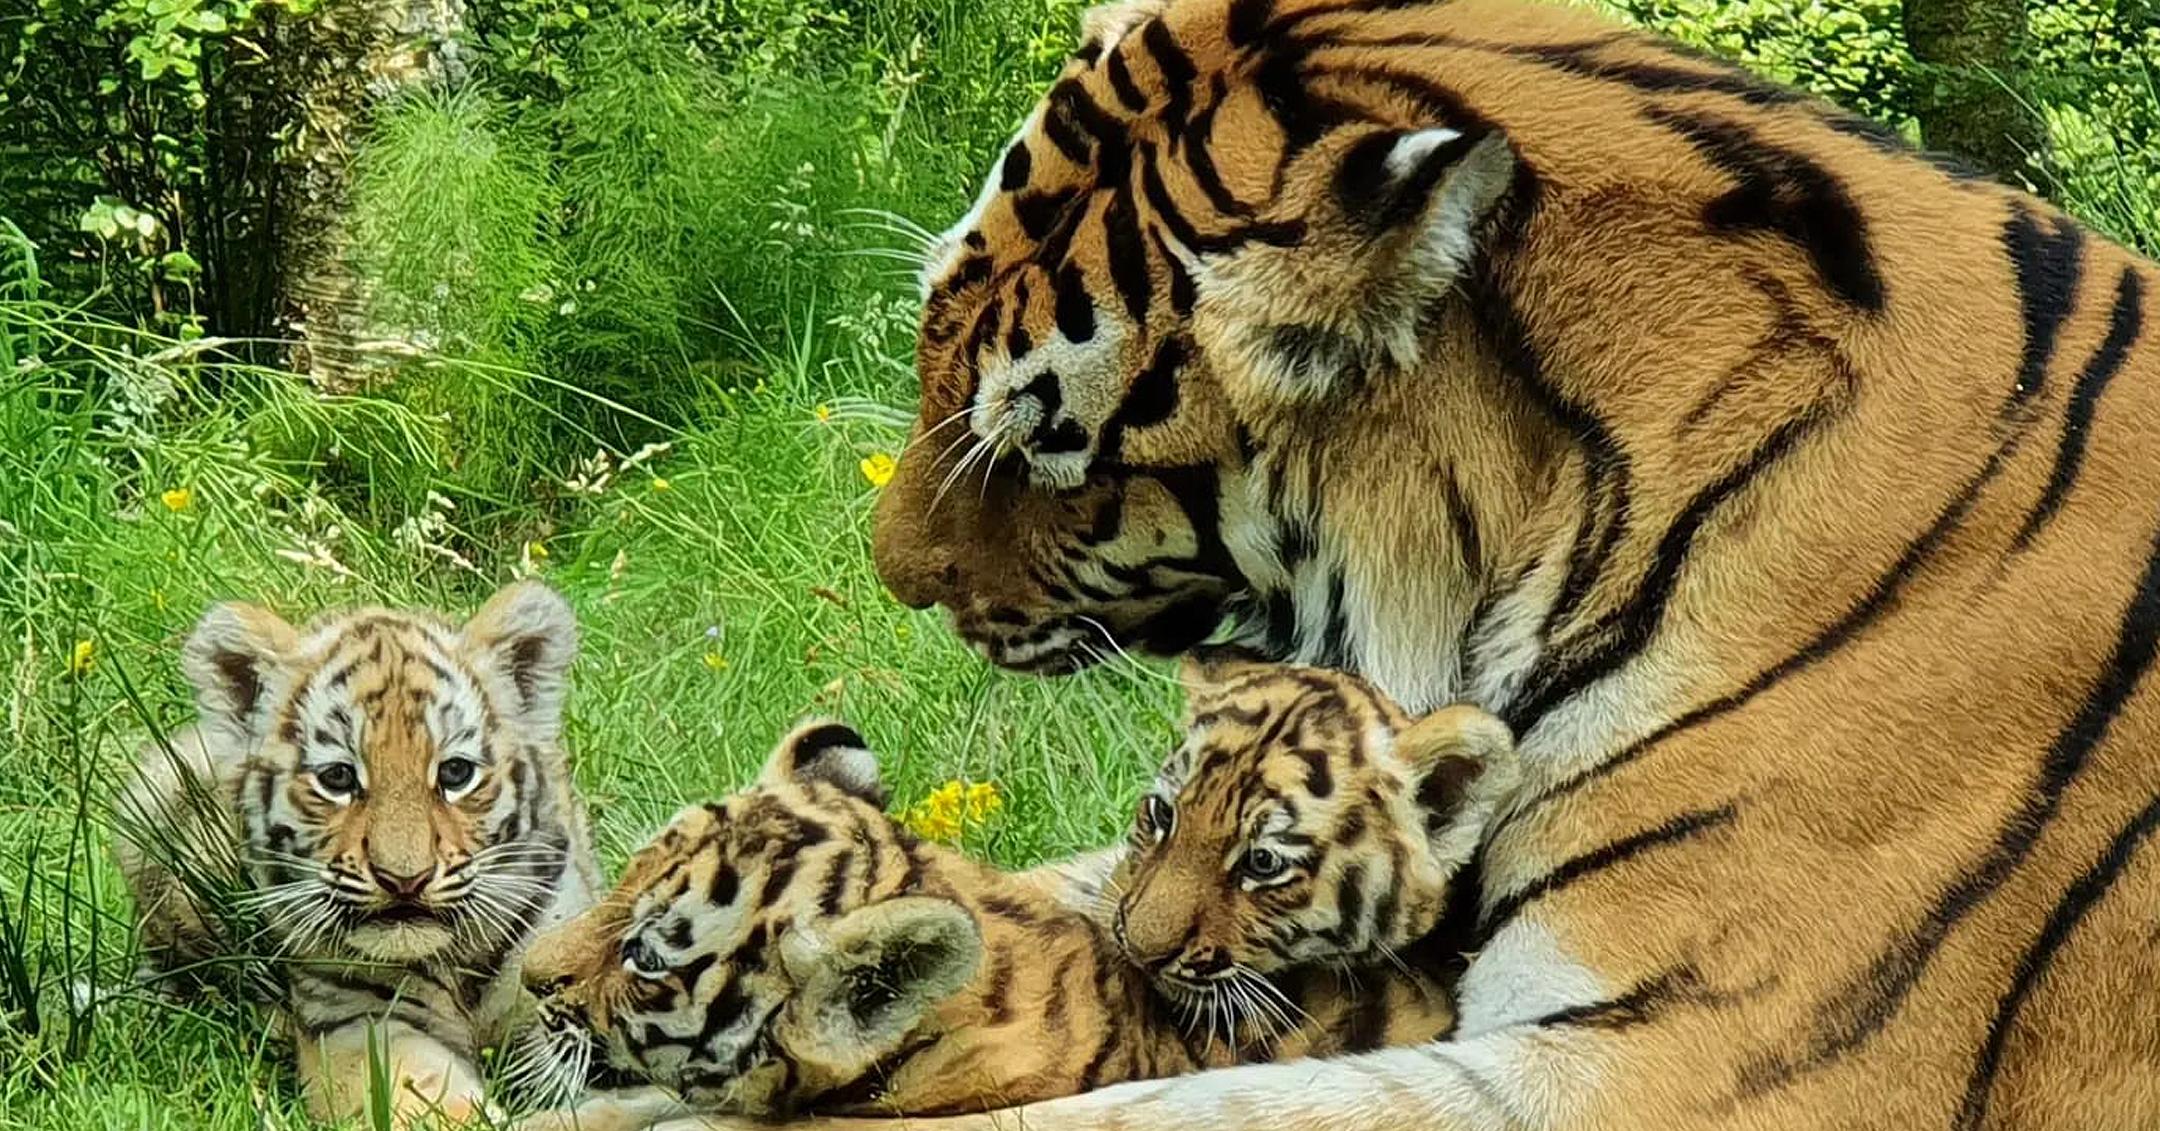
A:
{"x":1135,"y":666}
{"x":957,"y":415}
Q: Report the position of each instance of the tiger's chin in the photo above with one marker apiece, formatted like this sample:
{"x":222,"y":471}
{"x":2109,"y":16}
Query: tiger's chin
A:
{"x":400,"y":940}
{"x":1072,"y":642}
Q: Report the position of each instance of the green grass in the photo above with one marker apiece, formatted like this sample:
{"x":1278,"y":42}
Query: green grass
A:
{"x":715,"y":610}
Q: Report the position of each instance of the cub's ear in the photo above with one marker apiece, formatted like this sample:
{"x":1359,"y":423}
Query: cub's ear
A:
{"x":867,"y":981}
{"x":1462,"y":768}
{"x":524,"y":639}
{"x":235,"y":656}
{"x":830,"y":752}
{"x":1208,"y":667}
{"x":1389,"y":226}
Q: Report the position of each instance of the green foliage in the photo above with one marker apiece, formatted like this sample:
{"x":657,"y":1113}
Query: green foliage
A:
{"x":1851,"y":52}
{"x":113,"y":119}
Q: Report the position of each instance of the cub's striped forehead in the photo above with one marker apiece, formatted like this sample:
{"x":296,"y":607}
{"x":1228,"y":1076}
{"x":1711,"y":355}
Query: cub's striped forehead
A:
{"x":775,"y":853}
{"x":380,"y":666}
{"x":1284,"y":728}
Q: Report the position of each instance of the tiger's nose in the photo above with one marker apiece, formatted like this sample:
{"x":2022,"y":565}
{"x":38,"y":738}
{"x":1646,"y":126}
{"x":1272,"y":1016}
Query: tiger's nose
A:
{"x":1207,"y":963}
{"x":917,"y":578}
{"x":403,"y":887}
{"x":909,"y":545}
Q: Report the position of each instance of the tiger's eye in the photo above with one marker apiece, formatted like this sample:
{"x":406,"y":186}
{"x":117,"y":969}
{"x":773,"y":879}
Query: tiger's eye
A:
{"x":455,"y":773}
{"x":1156,"y":816}
{"x":1263,"y":863}
{"x":642,"y":958}
{"x":337,"y":777}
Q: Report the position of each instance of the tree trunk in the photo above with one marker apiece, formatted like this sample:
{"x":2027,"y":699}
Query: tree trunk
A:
{"x":348,"y":58}
{"x":1970,"y":51}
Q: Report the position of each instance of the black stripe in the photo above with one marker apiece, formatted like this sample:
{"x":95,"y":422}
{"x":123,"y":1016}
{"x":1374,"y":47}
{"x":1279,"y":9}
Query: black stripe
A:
{"x":1857,"y":1011}
{"x":1121,"y":81}
{"x":1469,"y":545}
{"x":1127,"y":254}
{"x":1248,"y":21}
{"x":1349,"y":905}
{"x":1199,"y":148}
{"x":1177,"y":70}
{"x":1066,"y":107}
{"x":1183,"y":292}
{"x":1625,"y":631}
{"x":1150,"y":400}
{"x":1038,"y":214}
{"x":2080,"y":897}
{"x":2045,"y":265}
{"x":1075,"y":308}
{"x":1275,"y":233}
{"x":1632,"y":1008}
{"x":1788,"y":193}
{"x":1677,"y":829}
{"x":1013,"y":171}
{"x":2124,"y":326}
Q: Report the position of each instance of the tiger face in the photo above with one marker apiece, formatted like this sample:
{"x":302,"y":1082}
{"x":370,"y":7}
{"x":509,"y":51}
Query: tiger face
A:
{"x":1304,"y":820}
{"x":394,"y":800}
{"x":759,"y":956}
{"x":1167,"y":251}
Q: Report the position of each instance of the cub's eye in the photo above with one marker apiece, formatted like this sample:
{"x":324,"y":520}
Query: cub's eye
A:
{"x":1156,"y":817}
{"x":1263,"y":864}
{"x":643,"y":960}
{"x":455,"y":774}
{"x":337,"y":777}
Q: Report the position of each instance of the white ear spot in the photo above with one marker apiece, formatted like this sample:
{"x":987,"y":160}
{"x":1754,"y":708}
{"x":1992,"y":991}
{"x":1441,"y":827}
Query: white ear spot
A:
{"x":1411,"y":151}
{"x":830,"y":752}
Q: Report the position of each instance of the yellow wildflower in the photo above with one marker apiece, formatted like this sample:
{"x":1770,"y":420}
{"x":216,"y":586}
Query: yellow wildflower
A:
{"x":982,"y":801}
{"x":82,"y":658}
{"x":178,"y":499}
{"x":157,"y":599}
{"x":823,"y":413}
{"x":536,"y":551}
{"x":952,"y":809}
{"x":716,"y":661}
{"x":659,"y":484}
{"x":877,"y":468}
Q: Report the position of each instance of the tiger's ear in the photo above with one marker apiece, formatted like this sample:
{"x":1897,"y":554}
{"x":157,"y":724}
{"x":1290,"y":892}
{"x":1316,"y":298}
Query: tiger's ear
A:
{"x":1462,"y":767}
{"x":867,"y":981}
{"x":830,"y":752}
{"x":1102,"y":26}
{"x":523,"y":641}
{"x":1390,"y":227}
{"x":232,"y":659}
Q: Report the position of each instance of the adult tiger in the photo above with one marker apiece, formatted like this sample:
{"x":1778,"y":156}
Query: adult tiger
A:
{"x":1793,"y":495}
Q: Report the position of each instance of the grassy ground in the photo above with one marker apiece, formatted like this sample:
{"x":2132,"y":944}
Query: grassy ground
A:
{"x":723,"y":586}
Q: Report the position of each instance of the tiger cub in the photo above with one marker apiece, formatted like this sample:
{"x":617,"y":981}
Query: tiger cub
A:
{"x":794,"y":949}
{"x":1306,"y":828}
{"x":381,"y":803}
